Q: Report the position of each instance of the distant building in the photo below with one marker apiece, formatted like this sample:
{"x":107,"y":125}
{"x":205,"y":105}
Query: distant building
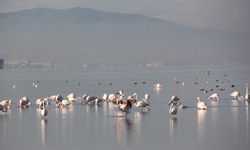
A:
{"x":1,"y":63}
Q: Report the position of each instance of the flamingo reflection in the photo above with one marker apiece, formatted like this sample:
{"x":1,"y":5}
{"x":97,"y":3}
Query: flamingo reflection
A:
{"x":123,"y":130}
{"x":172,"y":126}
{"x":43,"y":130}
{"x":201,"y":115}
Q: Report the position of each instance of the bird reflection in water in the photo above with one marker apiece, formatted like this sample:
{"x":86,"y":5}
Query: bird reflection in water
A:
{"x":172,"y":127}
{"x":123,"y":127}
{"x":247,"y":119}
{"x":201,"y":115}
{"x":43,"y":131}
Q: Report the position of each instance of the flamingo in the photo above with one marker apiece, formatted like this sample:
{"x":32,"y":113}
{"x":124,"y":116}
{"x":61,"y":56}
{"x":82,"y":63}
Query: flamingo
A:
{"x":124,"y":106}
{"x":200,"y":104}
{"x":173,"y":108}
{"x":56,"y":98}
{"x":43,"y":108}
{"x":71,"y":97}
{"x":39,"y":102}
{"x":3,"y":108}
{"x":143,"y":103}
{"x":6,"y":103}
{"x":119,"y":98}
{"x":214,"y":97}
{"x":90,"y":100}
{"x":132,"y":98}
{"x":83,"y":99}
{"x":98,"y":101}
{"x":247,"y":93}
{"x":236,"y":95}
{"x":111,"y":97}
{"x":105,"y":97}
{"x":24,"y":102}
{"x":65,"y":103}
{"x":176,"y":100}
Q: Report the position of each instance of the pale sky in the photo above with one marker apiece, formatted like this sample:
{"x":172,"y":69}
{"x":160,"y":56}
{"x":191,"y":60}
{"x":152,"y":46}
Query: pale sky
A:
{"x":222,"y":14}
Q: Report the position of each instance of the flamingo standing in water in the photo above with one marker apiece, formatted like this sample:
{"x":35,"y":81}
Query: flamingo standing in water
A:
{"x":72,"y":97}
{"x":143,"y":103}
{"x":247,"y":96}
{"x":236,"y":95}
{"x":44,"y":110}
{"x":56,"y":98}
{"x":176,"y":101}
{"x":132,"y":98}
{"x":65,"y":103}
{"x":39,"y":102}
{"x":214,"y":97}
{"x":3,"y":108}
{"x":200,"y":104}
{"x":24,"y":102}
{"x":173,"y":108}
{"x":173,"y":103}
{"x":6,"y":103}
{"x":124,"y":106}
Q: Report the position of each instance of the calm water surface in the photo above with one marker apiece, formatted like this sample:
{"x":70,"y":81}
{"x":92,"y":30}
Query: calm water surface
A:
{"x":224,"y":125}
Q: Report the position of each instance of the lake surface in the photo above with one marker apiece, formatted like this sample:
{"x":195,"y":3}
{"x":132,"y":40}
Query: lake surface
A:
{"x":224,"y":125}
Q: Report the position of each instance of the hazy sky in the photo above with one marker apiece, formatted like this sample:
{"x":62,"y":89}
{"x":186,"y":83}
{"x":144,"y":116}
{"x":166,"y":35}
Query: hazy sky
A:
{"x":222,"y":14}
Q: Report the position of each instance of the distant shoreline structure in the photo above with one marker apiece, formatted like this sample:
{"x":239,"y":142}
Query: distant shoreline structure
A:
{"x":26,"y":64}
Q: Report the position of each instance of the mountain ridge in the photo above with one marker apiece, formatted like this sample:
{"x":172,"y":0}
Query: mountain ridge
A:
{"x":78,"y":14}
{"x":88,"y":36}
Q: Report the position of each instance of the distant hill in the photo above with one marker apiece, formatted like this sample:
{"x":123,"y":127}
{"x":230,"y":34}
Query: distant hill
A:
{"x":76,"y":15}
{"x":80,"y":36}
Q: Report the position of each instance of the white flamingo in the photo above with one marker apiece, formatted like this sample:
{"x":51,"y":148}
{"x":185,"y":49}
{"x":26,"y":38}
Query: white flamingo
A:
{"x":98,"y":101}
{"x":56,"y":98}
{"x":236,"y":95}
{"x":24,"y":102}
{"x":105,"y":97}
{"x":3,"y":108}
{"x":111,"y":97}
{"x":6,"y":103}
{"x":133,"y":98}
{"x":176,"y":101}
{"x":43,"y":108}
{"x":83,"y":99}
{"x":173,"y":108}
{"x":124,"y":106}
{"x":200,"y":104}
{"x":143,"y":103}
{"x":65,"y":103}
{"x":247,"y":96}
{"x":214,"y":97}
{"x":90,"y":100}
{"x":39,"y":102}
{"x":72,"y":97}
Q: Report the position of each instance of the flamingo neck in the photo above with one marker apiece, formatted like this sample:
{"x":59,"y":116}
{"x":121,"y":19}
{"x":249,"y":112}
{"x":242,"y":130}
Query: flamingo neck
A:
{"x":247,"y":90}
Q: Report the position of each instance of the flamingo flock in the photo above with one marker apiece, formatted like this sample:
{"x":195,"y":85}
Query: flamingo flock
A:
{"x":119,"y":100}
{"x":122,"y":103}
